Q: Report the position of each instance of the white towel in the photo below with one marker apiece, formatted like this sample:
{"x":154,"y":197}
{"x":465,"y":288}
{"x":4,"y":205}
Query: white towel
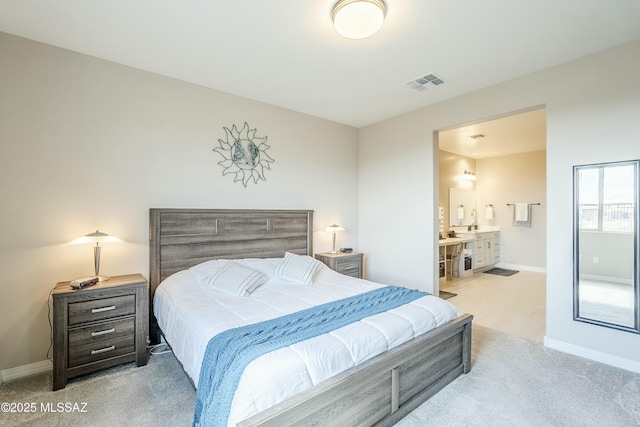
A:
{"x":488,"y":213}
{"x":522,"y":211}
{"x":460,"y":212}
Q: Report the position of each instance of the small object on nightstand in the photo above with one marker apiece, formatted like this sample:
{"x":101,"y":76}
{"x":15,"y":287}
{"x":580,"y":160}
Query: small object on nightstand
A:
{"x":347,"y":263}
{"x":83,"y":283}
{"x":346,"y":250}
{"x":99,"y":327}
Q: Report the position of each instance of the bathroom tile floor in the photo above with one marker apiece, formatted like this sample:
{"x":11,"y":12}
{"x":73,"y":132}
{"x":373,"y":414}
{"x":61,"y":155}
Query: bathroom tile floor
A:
{"x":514,"y":304}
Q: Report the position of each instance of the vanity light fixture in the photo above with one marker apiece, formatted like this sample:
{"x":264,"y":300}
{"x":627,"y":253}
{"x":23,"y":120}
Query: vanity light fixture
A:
{"x":468,"y":176}
{"x":332,"y":229}
{"x":358,"y":19}
{"x":97,"y":238}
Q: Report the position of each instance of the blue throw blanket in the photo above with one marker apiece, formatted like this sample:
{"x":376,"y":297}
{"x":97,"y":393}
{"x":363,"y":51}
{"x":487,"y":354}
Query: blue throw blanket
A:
{"x":229,"y":352}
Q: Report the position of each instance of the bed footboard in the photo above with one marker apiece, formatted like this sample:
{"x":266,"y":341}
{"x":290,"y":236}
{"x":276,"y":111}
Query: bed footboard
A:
{"x":384,"y":389}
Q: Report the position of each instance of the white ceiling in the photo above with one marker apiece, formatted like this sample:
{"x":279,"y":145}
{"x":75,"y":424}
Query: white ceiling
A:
{"x":286,"y":53}
{"x":517,"y":133}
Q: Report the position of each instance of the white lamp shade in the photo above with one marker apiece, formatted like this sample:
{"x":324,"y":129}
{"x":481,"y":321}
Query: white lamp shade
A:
{"x":96,"y":237}
{"x":333,"y":228}
{"x":358,"y":19}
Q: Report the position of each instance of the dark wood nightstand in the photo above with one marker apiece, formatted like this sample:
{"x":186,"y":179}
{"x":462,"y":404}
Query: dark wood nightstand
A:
{"x":349,"y":264}
{"x":99,"y":326}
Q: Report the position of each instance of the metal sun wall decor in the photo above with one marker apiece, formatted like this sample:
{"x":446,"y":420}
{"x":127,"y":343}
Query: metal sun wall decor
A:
{"x":244,"y":154}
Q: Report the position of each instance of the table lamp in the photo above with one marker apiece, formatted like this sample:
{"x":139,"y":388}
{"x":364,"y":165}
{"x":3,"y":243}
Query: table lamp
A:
{"x":332,"y":229}
{"x":97,"y":238}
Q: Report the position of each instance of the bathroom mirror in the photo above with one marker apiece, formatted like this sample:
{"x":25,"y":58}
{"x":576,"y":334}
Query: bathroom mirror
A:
{"x":462,"y":207}
{"x":606,"y":263}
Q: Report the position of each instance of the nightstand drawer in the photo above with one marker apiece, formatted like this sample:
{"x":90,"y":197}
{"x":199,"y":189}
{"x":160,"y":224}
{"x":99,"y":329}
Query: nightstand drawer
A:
{"x":97,"y":334}
{"x":349,"y":268}
{"x":354,"y":272}
{"x":348,"y":265}
{"x":105,"y":308}
{"x":102,"y":350}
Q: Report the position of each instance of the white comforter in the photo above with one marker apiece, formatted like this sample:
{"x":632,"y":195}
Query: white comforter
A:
{"x":190,"y":314}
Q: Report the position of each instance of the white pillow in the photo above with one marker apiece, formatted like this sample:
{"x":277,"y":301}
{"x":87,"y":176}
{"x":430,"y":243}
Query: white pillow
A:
{"x":298,"y":268}
{"x":235,"y":279}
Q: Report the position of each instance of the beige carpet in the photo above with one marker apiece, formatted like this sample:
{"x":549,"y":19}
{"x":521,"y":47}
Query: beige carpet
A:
{"x":158,"y":394}
{"x":514,"y":382}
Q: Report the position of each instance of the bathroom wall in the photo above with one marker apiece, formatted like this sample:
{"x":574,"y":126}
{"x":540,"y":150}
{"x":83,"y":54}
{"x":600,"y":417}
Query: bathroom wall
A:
{"x":503,"y":180}
{"x":518,"y":178}
{"x":452,"y":167}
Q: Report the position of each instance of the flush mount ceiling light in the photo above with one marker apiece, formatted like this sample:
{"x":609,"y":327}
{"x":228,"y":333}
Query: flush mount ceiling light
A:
{"x":358,"y":19}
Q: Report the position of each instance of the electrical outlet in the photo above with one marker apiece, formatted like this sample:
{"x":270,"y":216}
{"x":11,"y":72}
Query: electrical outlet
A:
{"x":596,"y":260}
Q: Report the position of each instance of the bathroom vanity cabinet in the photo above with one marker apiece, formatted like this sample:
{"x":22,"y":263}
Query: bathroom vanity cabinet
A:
{"x":487,"y":249}
{"x":481,"y":251}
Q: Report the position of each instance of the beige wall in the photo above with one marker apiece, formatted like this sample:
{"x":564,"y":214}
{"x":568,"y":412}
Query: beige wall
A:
{"x":518,"y":178}
{"x":451,"y":167}
{"x":589,"y":119}
{"x":88,"y":144}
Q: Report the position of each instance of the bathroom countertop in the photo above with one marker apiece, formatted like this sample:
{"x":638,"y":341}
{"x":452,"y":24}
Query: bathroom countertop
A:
{"x":481,"y":229}
{"x":453,"y":240}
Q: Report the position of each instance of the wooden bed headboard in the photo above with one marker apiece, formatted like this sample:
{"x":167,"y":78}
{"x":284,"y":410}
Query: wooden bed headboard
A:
{"x":182,"y":238}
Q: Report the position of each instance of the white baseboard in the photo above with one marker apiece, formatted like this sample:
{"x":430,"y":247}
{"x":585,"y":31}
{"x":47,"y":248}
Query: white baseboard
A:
{"x":608,"y":279}
{"x":521,"y":267}
{"x":598,"y":356}
{"x":25,"y":371}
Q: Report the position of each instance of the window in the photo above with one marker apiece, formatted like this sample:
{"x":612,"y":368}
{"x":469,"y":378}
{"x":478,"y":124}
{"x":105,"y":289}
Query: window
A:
{"x":604,"y":203}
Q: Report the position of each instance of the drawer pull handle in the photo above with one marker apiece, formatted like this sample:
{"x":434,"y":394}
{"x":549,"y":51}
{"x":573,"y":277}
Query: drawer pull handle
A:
{"x":103,"y":350}
{"x":100,"y":310}
{"x":106,"y":331}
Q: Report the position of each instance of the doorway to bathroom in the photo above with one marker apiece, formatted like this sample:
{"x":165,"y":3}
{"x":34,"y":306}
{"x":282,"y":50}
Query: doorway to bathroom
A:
{"x":501,"y":162}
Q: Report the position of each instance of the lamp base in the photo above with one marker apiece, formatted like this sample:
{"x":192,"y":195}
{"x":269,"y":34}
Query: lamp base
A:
{"x":103,"y":278}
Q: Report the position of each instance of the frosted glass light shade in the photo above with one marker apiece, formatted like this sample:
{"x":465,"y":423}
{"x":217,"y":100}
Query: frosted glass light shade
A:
{"x":333,"y":228}
{"x":97,"y":237}
{"x":358,"y":19}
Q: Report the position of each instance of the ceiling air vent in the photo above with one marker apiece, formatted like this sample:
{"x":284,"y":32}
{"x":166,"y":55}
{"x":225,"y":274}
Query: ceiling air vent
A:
{"x":425,"y":82}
